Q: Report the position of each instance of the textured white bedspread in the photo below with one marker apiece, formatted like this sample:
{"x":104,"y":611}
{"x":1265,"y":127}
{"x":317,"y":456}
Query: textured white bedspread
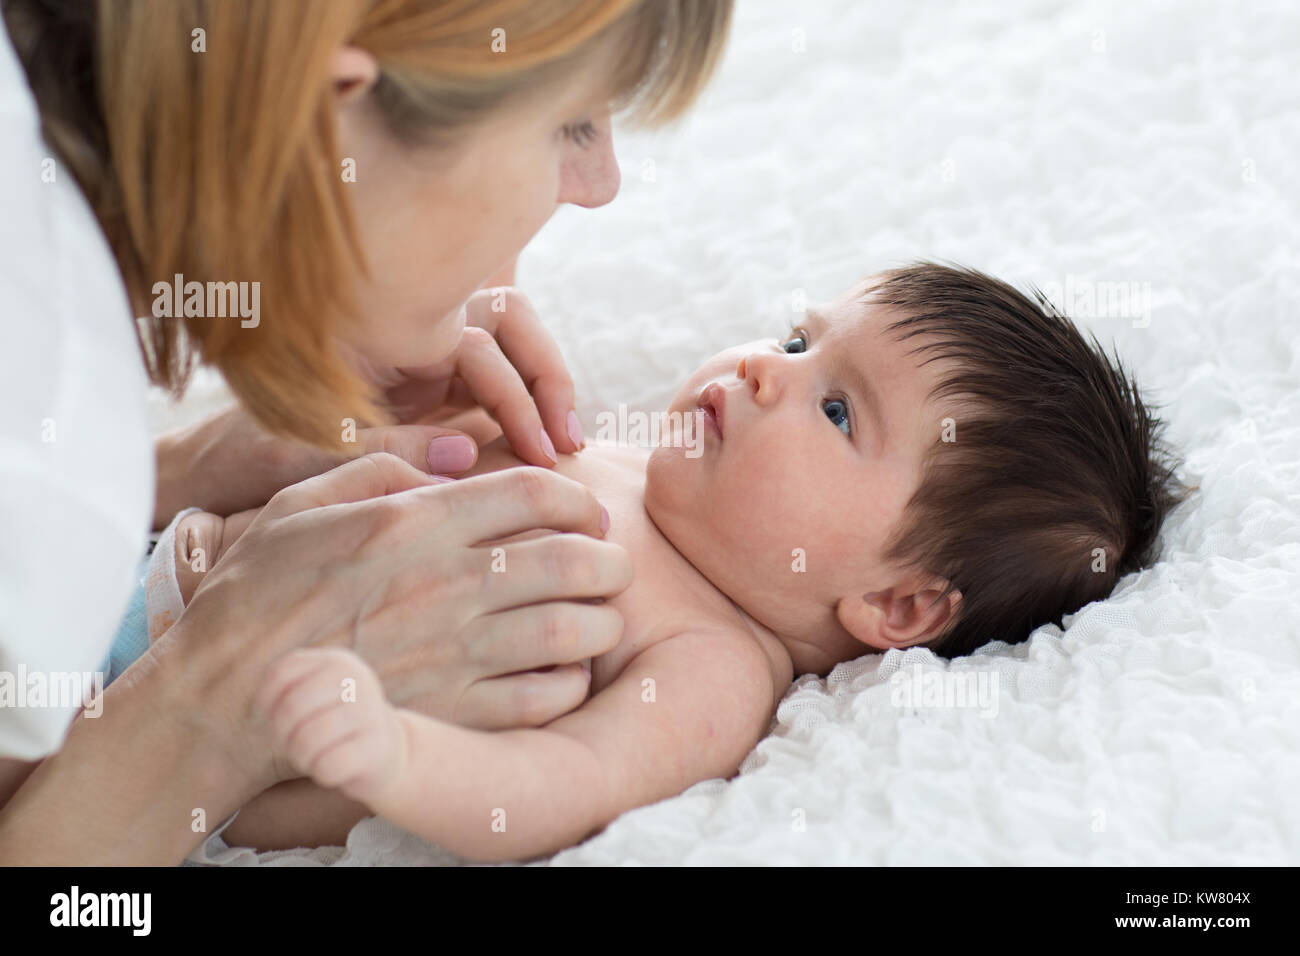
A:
{"x":1044,"y":142}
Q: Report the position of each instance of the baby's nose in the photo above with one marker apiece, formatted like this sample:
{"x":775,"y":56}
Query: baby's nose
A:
{"x":756,"y":369}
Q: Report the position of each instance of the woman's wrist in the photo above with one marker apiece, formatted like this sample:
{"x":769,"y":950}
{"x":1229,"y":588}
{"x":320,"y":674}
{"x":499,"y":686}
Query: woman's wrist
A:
{"x":210,"y":685}
{"x":223,"y":463}
{"x":184,"y":463}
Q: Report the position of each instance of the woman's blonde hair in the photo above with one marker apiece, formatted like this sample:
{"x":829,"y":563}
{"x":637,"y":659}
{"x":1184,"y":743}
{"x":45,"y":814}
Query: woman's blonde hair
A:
{"x":212,"y":154}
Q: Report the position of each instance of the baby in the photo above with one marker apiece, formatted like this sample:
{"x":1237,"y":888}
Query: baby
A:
{"x":933,"y":459}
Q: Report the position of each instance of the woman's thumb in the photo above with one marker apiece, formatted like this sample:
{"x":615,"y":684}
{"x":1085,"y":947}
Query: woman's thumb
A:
{"x":439,"y":451}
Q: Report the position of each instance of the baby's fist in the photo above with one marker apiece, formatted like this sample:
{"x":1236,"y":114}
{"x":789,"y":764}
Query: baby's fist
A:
{"x":329,"y":718}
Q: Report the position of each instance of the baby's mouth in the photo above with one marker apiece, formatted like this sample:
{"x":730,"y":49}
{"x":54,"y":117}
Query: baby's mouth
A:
{"x":712,"y":406}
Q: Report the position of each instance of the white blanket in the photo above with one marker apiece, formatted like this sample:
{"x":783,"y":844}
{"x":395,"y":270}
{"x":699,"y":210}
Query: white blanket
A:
{"x":1044,"y":142}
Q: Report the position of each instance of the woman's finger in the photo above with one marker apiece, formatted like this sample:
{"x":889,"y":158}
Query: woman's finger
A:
{"x":440,"y":451}
{"x":510,"y":318}
{"x":430,"y":448}
{"x":498,"y":388}
{"x":522,"y":700}
{"x":561,"y":632}
{"x":230,"y":463}
{"x":370,"y":476}
{"x":505,"y":503}
{"x":554,"y":567}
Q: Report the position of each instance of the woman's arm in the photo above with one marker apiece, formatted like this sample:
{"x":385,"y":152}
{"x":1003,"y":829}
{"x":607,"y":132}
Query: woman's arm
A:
{"x":12,"y":774}
{"x":125,"y":787}
{"x":372,"y":556}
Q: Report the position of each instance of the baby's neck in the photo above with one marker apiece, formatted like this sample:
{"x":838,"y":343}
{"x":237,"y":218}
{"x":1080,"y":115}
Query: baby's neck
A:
{"x":812,"y":652}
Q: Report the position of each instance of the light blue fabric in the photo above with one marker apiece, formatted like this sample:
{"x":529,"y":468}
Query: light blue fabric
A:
{"x":132,"y":637}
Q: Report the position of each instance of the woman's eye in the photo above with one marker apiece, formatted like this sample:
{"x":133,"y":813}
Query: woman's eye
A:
{"x":580,"y":133}
{"x":838,"y":412}
{"x":796,"y":343}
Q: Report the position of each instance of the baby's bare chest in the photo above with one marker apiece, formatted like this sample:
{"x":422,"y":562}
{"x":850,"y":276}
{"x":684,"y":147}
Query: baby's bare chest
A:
{"x":667,"y":595}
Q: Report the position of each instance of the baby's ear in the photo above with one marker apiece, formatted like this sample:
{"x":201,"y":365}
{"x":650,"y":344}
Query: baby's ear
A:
{"x":900,"y":616}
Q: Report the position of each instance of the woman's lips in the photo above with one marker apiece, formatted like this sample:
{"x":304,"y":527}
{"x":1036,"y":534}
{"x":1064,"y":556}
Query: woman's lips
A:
{"x":713,"y":403}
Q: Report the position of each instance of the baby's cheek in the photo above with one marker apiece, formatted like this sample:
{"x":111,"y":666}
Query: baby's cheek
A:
{"x":786,"y":520}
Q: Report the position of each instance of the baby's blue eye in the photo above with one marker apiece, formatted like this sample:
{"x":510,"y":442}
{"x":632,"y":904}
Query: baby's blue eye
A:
{"x":838,"y":413}
{"x":795,"y":344}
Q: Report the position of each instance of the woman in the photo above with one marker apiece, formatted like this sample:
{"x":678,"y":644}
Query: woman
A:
{"x":355,"y":169}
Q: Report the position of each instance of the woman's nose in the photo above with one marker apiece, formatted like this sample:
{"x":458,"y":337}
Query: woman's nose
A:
{"x":590,"y":177}
{"x":758,"y":371}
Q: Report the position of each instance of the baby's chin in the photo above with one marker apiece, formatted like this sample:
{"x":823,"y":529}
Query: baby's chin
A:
{"x":677,"y":492}
{"x":665,"y":470}
{"x":682,"y":503}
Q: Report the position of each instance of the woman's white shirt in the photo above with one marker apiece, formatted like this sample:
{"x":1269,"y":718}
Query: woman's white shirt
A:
{"x":76,"y":458}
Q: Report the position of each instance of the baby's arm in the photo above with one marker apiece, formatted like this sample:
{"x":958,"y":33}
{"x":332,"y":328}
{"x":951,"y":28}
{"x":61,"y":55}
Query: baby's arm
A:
{"x":686,"y":709}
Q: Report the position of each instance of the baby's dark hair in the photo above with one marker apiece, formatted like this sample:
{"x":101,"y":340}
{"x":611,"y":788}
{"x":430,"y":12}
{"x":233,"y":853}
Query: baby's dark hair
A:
{"x":1053,"y":480}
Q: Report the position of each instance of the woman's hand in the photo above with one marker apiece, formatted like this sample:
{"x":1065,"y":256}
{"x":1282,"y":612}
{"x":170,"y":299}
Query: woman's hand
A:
{"x":227,"y":463}
{"x":383,"y":559}
{"x":507,"y":363}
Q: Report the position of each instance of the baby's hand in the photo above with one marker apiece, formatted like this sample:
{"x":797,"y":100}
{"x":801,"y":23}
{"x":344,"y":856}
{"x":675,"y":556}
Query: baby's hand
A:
{"x":330,"y":720}
{"x":201,"y":539}
{"x":198,"y":545}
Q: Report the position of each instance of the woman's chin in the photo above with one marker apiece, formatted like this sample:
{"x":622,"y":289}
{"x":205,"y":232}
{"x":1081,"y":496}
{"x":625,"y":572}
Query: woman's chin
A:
{"x":441,"y":341}
{"x":424,"y":347}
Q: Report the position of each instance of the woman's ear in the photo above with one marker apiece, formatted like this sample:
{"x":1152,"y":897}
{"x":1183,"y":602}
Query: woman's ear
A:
{"x":354,"y":72}
{"x":900,"y":616}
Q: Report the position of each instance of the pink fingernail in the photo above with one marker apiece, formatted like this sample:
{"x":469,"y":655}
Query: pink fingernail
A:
{"x":575,"y":429}
{"x":441,"y":479}
{"x":452,"y":453}
{"x":548,"y":447}
{"x":604,"y":520}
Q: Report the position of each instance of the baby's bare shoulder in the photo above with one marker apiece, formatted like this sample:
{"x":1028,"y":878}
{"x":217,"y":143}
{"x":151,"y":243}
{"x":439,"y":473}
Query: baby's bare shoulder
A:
{"x":708,"y":668}
{"x":725,"y":653}
{"x":687,"y":708}
{"x":713,"y":643}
